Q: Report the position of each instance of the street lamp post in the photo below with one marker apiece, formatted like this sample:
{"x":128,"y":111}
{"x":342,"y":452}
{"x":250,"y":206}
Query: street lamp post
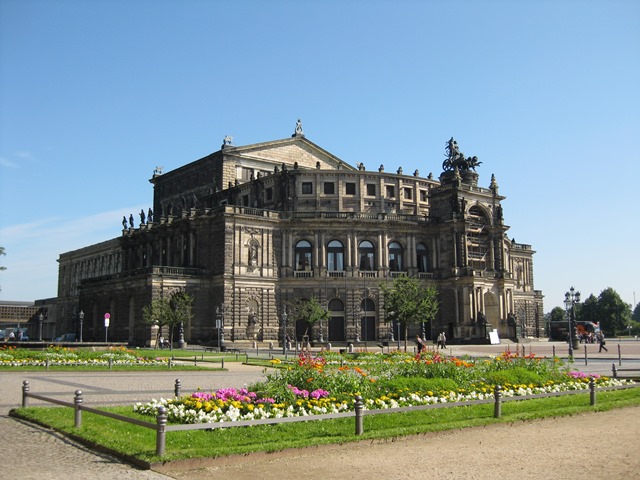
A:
{"x":570,"y":299}
{"x":220,"y":325}
{"x":40,"y":320}
{"x":284,"y":331}
{"x":81,"y":318}
{"x":358,"y":320}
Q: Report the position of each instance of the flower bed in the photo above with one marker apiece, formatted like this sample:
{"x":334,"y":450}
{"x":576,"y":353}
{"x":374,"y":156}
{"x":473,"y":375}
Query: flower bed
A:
{"x":328,"y":383}
{"x":56,"y":356}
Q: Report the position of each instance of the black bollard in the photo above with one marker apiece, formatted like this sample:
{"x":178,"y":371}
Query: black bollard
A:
{"x":77,"y":403}
{"x":177,"y":389}
{"x":358,"y":411}
{"x":497,"y":395}
{"x":592,"y":391}
{"x":25,"y":393}
{"x":161,"y":433}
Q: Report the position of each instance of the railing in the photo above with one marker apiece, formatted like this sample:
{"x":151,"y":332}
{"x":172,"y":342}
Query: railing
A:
{"x":398,"y":274}
{"x":302,"y":273}
{"x":367,"y":274}
{"x":161,"y":427}
{"x":337,"y":274}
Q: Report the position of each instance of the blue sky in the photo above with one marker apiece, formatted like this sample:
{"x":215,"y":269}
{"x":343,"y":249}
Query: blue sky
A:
{"x":95,"y":94}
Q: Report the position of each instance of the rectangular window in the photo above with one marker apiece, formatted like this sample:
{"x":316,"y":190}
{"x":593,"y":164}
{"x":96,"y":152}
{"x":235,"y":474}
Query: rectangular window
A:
{"x":350,"y":188}
{"x":269,"y":193}
{"x":329,"y":188}
{"x":307,"y":188}
{"x":408,"y":194}
{"x":391,"y":191}
{"x":245,"y":200}
{"x":371,"y":189}
{"x":247,"y":173}
{"x":423,"y":195}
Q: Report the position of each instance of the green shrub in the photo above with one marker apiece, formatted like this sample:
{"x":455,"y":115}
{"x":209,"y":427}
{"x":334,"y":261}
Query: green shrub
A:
{"x":515,"y":376}
{"x":419,"y":384}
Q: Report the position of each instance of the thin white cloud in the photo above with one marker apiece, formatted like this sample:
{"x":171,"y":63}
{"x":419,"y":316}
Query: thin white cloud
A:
{"x":5,"y":162}
{"x":32,"y":250}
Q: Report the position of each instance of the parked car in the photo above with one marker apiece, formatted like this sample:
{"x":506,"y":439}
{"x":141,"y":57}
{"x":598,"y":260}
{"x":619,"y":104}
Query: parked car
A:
{"x":67,"y":337}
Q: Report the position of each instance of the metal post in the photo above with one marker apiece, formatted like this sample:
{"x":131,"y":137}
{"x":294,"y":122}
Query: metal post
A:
{"x":497,"y":395}
{"x":592,"y":391}
{"x":77,"y":403}
{"x":619,"y":355}
{"x":81,"y":317}
{"x":40,"y":320}
{"x":586,"y":362}
{"x":161,"y":433}
{"x":25,"y":393}
{"x":177,"y":389}
{"x":614,"y":371}
{"x":358,"y":411}
{"x":110,"y":363}
{"x":554,"y":351}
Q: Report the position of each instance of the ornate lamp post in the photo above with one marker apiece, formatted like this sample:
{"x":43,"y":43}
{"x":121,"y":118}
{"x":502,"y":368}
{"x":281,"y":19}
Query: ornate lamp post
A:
{"x":284,"y":331}
{"x":220,"y":325}
{"x":81,"y":318}
{"x":570,"y":299}
{"x":40,"y":320}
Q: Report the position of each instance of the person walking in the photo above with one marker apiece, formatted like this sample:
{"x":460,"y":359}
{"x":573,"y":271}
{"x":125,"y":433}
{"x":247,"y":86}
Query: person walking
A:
{"x":602,"y":342}
{"x":442,"y":340}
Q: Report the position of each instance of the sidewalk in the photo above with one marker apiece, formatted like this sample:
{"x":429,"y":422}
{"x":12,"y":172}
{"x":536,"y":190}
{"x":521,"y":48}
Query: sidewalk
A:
{"x":44,"y":454}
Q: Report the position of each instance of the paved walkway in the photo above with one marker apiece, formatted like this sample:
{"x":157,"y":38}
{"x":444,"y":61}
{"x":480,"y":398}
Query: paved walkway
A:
{"x":37,"y":453}
{"x":32,"y":452}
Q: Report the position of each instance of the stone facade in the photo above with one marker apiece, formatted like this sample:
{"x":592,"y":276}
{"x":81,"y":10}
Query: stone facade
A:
{"x":248,"y":230}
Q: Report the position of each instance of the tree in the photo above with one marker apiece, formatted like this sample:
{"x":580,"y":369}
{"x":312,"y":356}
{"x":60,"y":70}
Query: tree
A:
{"x":409,"y":302}
{"x":589,"y":310}
{"x":180,"y":303}
{"x":168,"y":312}
{"x":558,"y":315}
{"x":636,"y":313}
{"x":158,"y":312}
{"x":309,"y":310}
{"x":615,"y":315}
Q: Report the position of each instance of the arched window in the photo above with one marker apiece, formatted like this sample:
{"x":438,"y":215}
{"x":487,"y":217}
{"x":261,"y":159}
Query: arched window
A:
{"x":396,"y":263}
{"x":337,"y":325}
{"x":335,"y":256}
{"x":422,"y":258}
{"x":303,"y":255}
{"x":367,"y":252}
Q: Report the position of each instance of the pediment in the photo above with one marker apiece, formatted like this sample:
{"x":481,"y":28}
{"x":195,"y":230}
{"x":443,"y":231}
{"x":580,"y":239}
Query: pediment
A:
{"x":288,"y":151}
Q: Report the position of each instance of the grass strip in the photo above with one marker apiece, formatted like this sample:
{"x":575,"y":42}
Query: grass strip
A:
{"x":136,"y":442}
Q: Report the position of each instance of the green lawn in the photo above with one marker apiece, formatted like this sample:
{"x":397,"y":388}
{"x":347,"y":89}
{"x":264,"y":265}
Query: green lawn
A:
{"x":139,"y":443}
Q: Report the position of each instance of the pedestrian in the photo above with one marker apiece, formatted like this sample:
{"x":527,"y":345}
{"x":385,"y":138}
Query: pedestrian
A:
{"x":12,"y":336}
{"x":421,"y":345}
{"x":20,"y":335}
{"x":602,"y":342}
{"x":442,"y":340}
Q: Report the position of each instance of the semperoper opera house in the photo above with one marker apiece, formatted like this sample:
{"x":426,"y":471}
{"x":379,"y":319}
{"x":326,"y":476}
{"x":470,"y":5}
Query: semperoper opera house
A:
{"x":248,"y":229}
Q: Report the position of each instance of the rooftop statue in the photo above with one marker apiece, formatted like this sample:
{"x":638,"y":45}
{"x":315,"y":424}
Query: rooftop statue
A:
{"x":455,"y":158}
